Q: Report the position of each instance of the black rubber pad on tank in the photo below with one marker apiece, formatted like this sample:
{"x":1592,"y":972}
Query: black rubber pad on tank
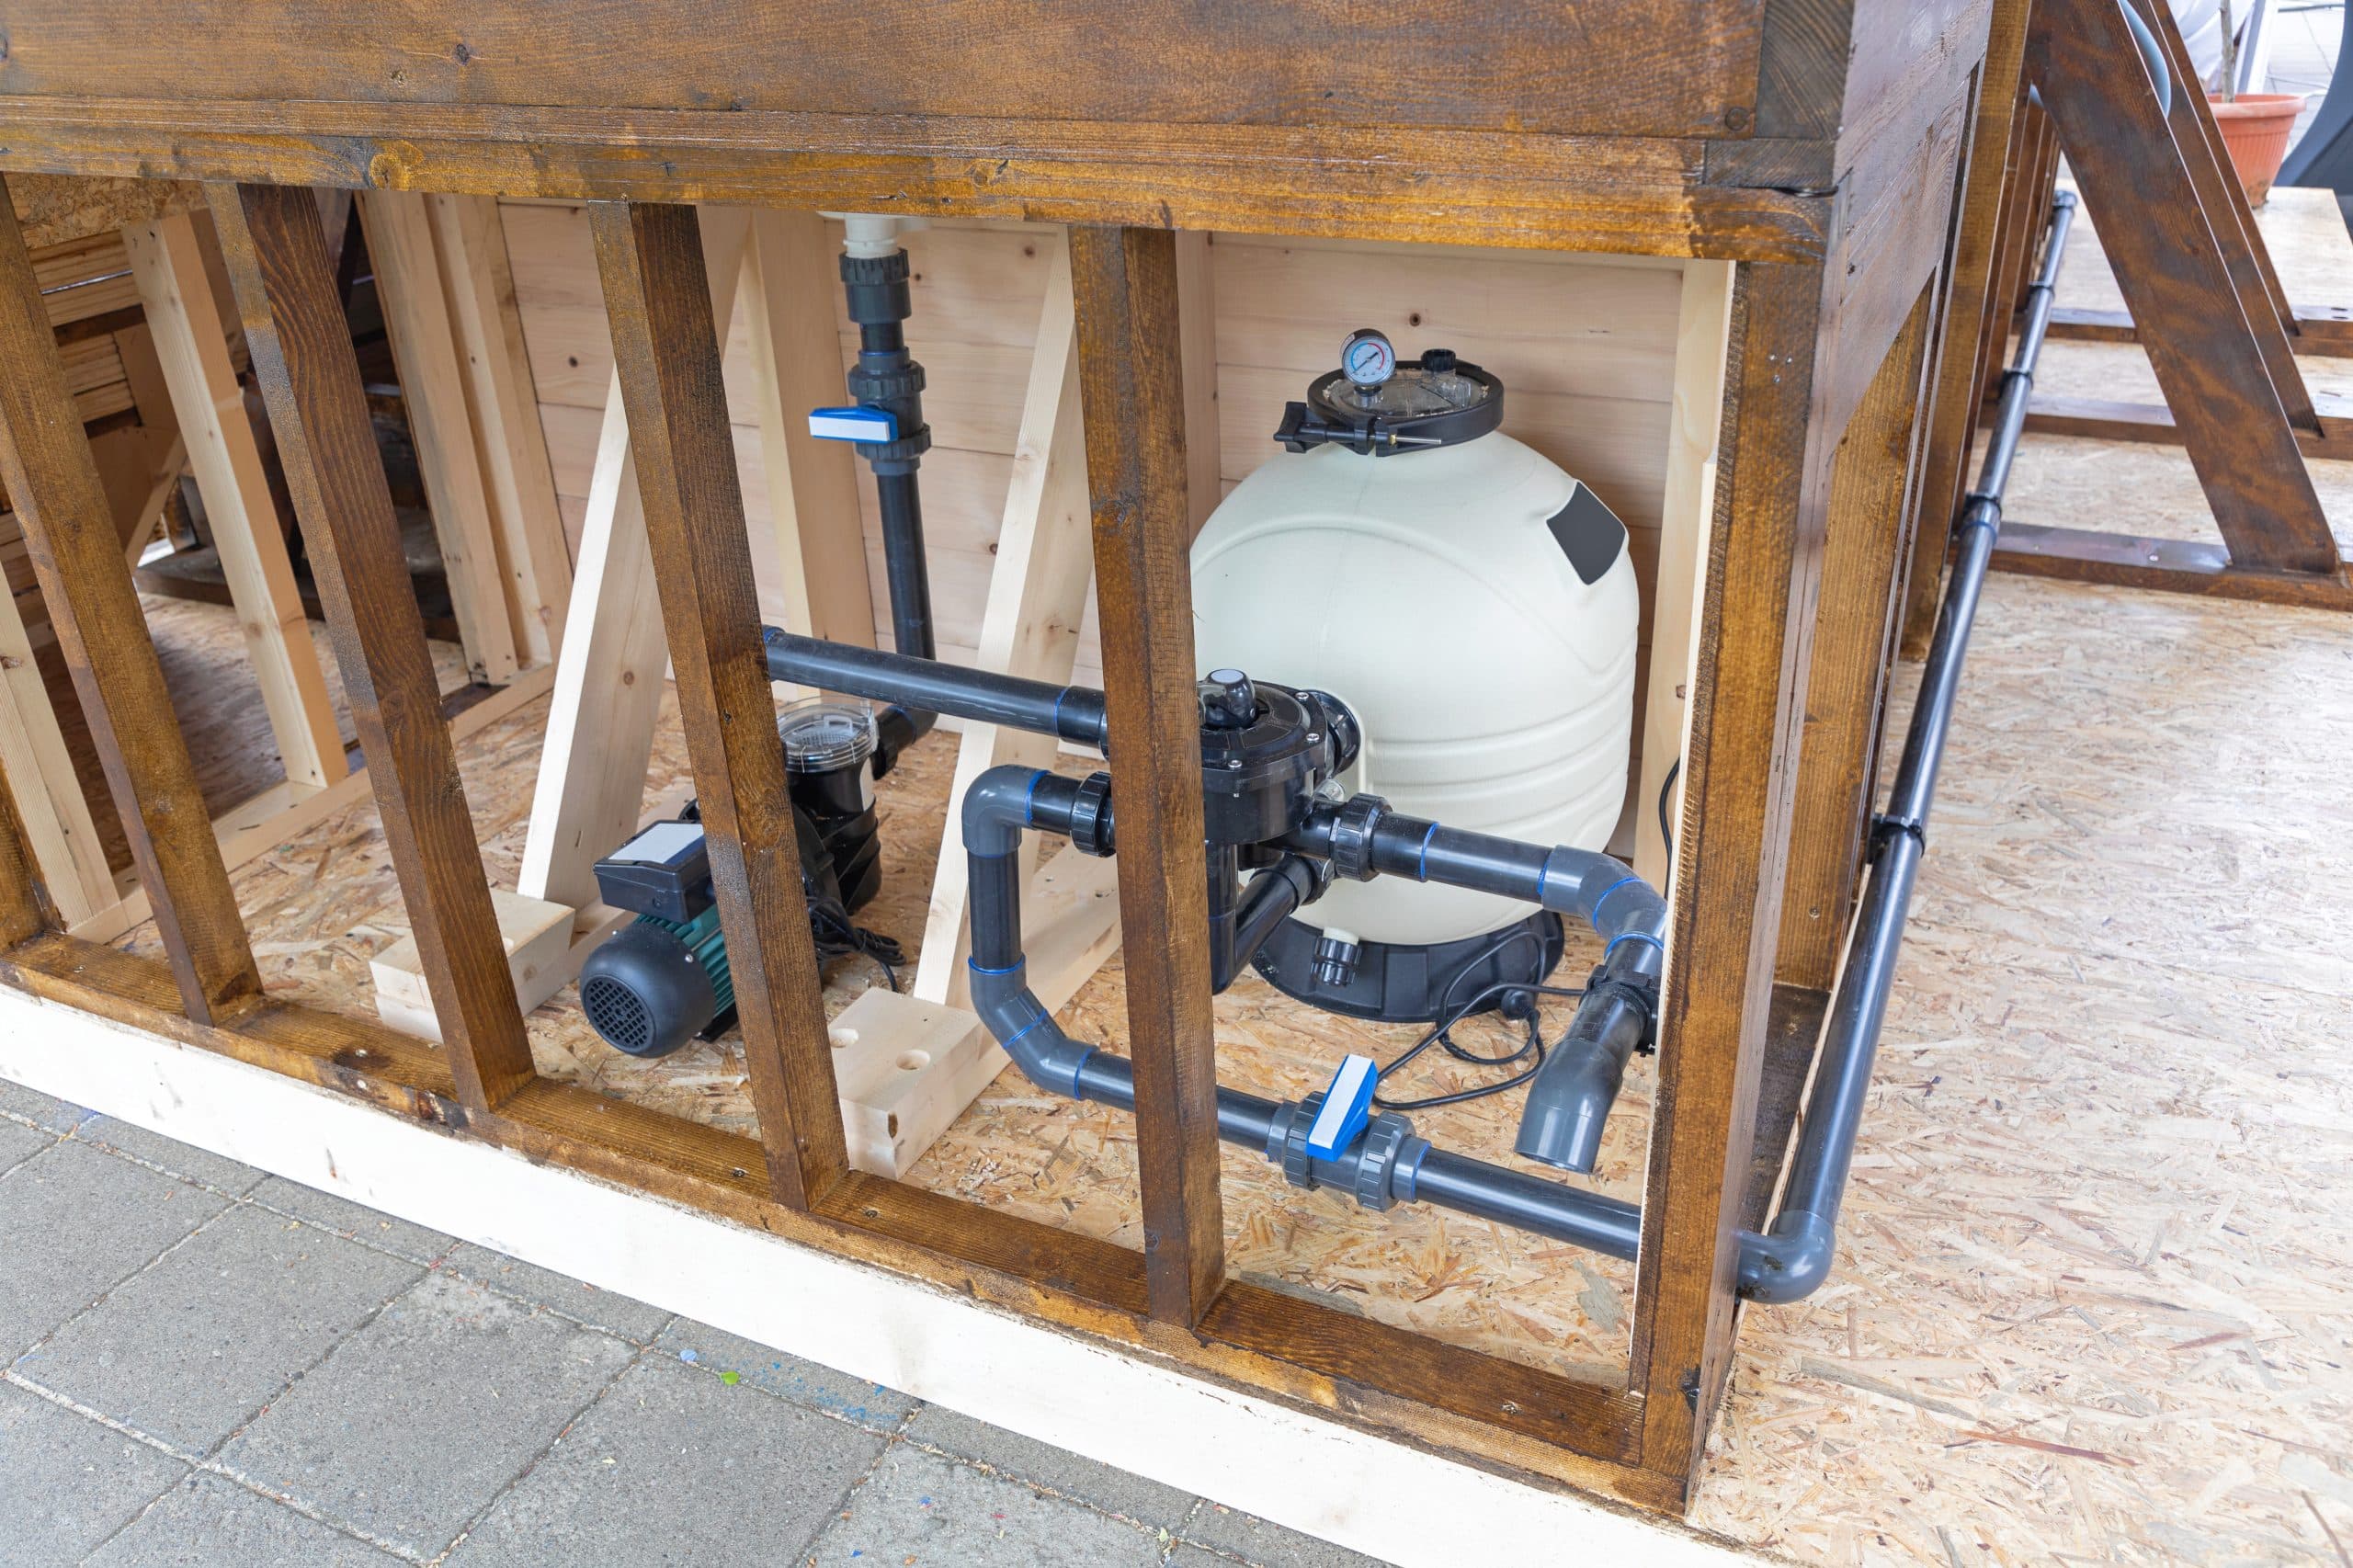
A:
{"x":1589,"y":533}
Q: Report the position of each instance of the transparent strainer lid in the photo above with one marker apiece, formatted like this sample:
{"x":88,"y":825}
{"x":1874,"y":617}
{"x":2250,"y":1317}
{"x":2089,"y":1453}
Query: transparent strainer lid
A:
{"x":821,"y":736}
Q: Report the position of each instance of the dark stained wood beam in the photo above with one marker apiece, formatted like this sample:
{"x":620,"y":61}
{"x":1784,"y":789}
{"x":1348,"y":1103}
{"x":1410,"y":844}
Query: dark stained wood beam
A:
{"x":69,"y":532}
{"x":1747,"y":695}
{"x":666,"y":353}
{"x":2135,"y":175}
{"x":2321,"y":331}
{"x":309,"y":378}
{"x":1124,"y":282}
{"x":2165,"y":565}
{"x":1865,"y":543}
{"x":2109,"y":419}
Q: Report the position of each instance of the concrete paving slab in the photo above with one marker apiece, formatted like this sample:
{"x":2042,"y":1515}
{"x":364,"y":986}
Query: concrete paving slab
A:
{"x":672,"y":1466}
{"x":918,"y":1509}
{"x":1271,"y":1546}
{"x":624,"y":1315}
{"x":415,"y":1422}
{"x":189,"y":1350}
{"x":199,"y":1165}
{"x":68,"y":1483}
{"x":41,"y":1109}
{"x":789,"y":1376}
{"x":208,"y":1522}
{"x":20,"y":1142}
{"x":80,"y":1221}
{"x":1075,"y":1475}
{"x":355,"y":1221}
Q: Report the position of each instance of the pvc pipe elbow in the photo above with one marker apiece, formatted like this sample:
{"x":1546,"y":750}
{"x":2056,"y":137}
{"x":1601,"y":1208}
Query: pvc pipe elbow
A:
{"x":996,"y":809}
{"x":1047,"y":1057}
{"x":1789,"y":1262}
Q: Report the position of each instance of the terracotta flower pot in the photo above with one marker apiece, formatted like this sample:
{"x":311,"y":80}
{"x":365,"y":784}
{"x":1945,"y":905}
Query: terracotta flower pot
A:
{"x":2255,"y":128}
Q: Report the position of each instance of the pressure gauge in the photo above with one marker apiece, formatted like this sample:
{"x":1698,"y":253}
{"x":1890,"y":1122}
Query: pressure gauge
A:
{"x":1367,"y":359}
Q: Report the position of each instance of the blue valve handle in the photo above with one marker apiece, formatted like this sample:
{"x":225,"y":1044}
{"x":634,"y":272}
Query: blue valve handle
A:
{"x":852,"y":424}
{"x":1347,"y":1106}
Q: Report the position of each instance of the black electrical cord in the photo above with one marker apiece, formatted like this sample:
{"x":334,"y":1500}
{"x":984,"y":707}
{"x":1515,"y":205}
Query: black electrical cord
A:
{"x":1665,"y":827}
{"x":836,"y":937}
{"x":1442,"y":1033}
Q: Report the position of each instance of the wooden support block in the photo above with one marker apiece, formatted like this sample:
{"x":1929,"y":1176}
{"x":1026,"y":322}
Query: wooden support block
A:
{"x":416,"y":318}
{"x":894,"y":1104}
{"x":537,"y":937}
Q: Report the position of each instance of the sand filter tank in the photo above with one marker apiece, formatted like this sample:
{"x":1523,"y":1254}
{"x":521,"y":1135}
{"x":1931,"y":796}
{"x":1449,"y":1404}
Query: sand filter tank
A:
{"x":1474,"y":607}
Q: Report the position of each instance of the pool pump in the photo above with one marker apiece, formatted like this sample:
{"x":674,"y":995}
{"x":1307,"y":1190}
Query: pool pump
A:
{"x":663,"y":980}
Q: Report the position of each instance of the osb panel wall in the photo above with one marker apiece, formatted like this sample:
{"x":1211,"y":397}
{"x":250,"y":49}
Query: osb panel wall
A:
{"x":1585,"y":345}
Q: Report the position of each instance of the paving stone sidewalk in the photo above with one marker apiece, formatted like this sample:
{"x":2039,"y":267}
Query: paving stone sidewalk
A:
{"x":204,"y":1364}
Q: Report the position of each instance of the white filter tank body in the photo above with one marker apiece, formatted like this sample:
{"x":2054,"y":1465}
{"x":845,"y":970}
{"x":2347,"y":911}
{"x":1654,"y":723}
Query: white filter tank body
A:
{"x":1427,"y":590}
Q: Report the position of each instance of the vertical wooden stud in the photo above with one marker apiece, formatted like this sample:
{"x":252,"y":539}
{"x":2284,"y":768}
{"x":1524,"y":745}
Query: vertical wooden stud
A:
{"x":1972,"y":268}
{"x":1748,"y":692}
{"x":191,"y":344}
{"x":1196,"y":350}
{"x":1124,"y":282}
{"x":78,"y":554}
{"x":501,"y":411}
{"x":1703,"y":324}
{"x":52,"y":809}
{"x":416,"y":318}
{"x":302,"y":355}
{"x":666,"y":355}
{"x":791,"y":304}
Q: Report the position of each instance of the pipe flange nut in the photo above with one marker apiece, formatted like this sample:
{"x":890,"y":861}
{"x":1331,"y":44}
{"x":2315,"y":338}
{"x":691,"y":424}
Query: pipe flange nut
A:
{"x":1090,"y":816}
{"x":1384,"y":1140}
{"x":1352,"y":832}
{"x":1299,"y":1165}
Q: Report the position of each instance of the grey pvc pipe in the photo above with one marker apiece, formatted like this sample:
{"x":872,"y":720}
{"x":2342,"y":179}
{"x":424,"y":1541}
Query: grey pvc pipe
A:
{"x":1795,"y":1254}
{"x":1069,"y":713}
{"x":997,"y":807}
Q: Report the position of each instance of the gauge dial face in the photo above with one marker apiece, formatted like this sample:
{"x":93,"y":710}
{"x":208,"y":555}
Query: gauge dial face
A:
{"x":1367,"y":359}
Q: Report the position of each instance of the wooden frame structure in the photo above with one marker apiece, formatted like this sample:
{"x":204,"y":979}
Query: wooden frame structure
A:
{"x":2204,"y":301}
{"x":1817,"y":150}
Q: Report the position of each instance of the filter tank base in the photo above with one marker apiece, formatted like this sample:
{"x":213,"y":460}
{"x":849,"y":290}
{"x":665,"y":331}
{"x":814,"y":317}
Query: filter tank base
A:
{"x":1407,"y":983}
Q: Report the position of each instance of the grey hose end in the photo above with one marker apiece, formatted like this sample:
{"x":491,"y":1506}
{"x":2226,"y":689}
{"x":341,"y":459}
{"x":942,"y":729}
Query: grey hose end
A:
{"x":1789,"y":1263}
{"x":1569,"y":1099}
{"x":996,"y":808}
